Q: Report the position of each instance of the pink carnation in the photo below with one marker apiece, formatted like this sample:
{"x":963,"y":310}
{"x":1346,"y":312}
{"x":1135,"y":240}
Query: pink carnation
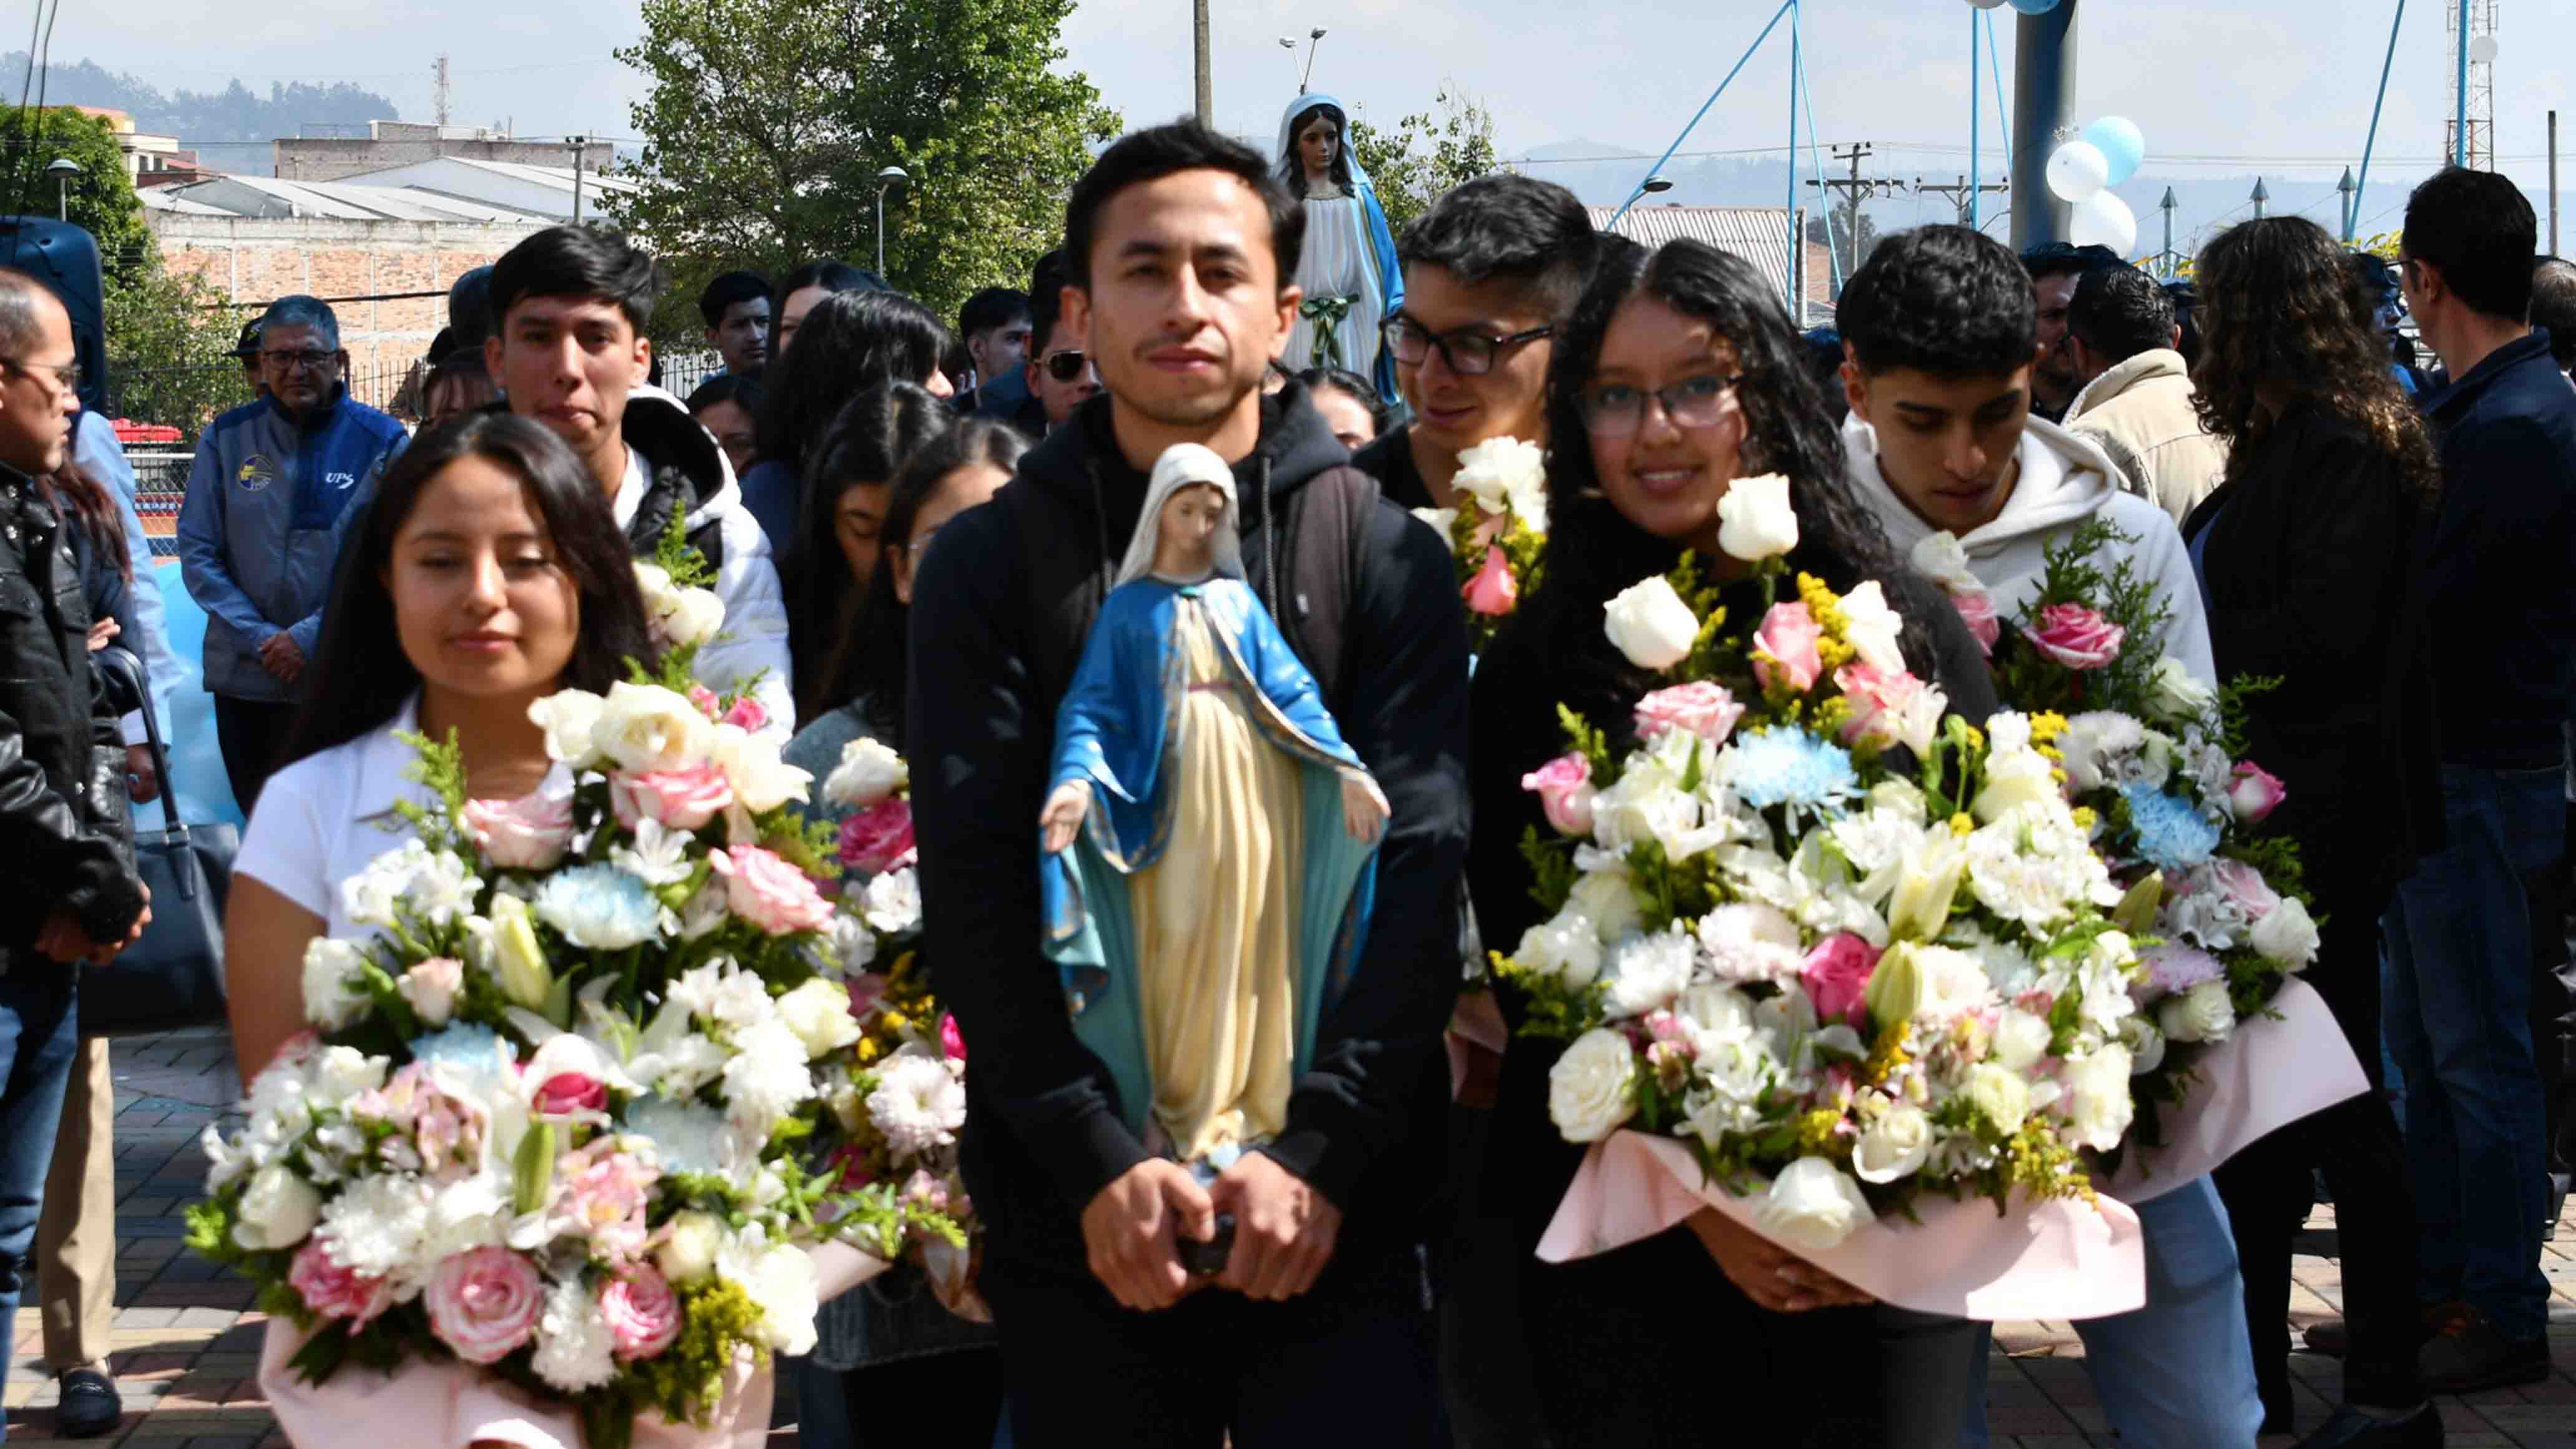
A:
{"x":1698,"y":708}
{"x":1836,"y":973}
{"x":1784,"y":649}
{"x":1564,"y":786}
{"x":529,"y":833}
{"x":2077,"y":637}
{"x":746,"y":713}
{"x":878,"y":838}
{"x":2255,"y":793}
{"x":952,"y":1042}
{"x":1977,"y":610}
{"x":484,"y":1302}
{"x":706,"y":701}
{"x":1493,"y":591}
{"x":642,"y":1313}
{"x":336,"y":1292}
{"x":765,"y":890}
{"x":682,"y":799}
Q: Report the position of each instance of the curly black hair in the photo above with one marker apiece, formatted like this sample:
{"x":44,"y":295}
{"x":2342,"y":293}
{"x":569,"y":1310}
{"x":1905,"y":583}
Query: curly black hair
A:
{"x":1942,"y":300}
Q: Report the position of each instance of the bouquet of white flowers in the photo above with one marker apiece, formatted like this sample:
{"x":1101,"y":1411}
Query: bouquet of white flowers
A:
{"x":1499,"y":538}
{"x":576,"y":1107}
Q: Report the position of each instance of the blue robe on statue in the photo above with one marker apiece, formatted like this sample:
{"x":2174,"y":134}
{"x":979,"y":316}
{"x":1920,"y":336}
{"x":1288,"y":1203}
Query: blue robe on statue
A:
{"x":1114,"y":730}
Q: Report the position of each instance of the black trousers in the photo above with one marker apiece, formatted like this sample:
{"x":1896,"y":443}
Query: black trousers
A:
{"x":1347,"y":1366}
{"x":2357,"y":1145}
{"x":937,"y":1401}
{"x":252,"y":735}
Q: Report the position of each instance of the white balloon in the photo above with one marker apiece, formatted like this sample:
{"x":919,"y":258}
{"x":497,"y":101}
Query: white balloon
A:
{"x":2078,"y":170}
{"x":2103,"y":220}
{"x":1987,"y":4}
{"x":2483,"y":50}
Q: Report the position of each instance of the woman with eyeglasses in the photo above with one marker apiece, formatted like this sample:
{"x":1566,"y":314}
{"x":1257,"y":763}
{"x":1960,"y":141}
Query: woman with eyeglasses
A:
{"x":842,"y":526}
{"x":1677,"y":374}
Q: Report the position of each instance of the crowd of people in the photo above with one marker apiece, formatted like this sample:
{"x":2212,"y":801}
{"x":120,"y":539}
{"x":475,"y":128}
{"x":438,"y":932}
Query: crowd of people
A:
{"x":911,"y":529}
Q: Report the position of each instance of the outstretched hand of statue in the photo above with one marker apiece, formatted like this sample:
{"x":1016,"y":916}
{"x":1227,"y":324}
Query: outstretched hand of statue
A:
{"x":1062,"y":817}
{"x":1364,"y":808}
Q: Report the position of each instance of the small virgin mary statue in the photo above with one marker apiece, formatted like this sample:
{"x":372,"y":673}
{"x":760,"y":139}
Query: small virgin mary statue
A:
{"x":1209,"y":838}
{"x":1352,"y":281}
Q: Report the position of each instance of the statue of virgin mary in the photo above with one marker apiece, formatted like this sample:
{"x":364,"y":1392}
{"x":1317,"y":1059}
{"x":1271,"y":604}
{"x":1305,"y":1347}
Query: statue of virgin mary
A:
{"x":1209,"y":838}
{"x":1348,"y":271}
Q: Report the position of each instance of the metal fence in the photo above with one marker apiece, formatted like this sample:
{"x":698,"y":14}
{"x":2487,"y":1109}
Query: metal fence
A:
{"x":138,"y":393}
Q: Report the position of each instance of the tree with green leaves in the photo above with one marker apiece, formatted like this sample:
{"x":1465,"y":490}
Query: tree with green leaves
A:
{"x":1424,"y":155}
{"x":101,"y":197}
{"x":768,"y":121}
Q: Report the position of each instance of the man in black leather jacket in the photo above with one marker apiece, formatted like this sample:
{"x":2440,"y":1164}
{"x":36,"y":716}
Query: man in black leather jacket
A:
{"x":73,"y":898}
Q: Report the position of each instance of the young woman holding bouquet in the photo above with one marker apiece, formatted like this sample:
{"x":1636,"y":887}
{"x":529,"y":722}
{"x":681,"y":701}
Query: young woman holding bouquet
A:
{"x":2305,"y":554}
{"x":1677,"y":374}
{"x":490,"y":560}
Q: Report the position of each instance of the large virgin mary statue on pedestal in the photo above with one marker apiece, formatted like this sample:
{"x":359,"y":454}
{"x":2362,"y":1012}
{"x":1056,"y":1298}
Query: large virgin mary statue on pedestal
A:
{"x":1349,"y":272}
{"x":1209,"y":837}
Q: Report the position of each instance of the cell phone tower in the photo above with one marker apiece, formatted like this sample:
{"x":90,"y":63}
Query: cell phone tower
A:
{"x":2480,"y":42}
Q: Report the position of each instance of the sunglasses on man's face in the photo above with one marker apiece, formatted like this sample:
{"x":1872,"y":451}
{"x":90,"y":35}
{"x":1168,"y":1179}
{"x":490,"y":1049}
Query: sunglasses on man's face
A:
{"x":1067,"y":365}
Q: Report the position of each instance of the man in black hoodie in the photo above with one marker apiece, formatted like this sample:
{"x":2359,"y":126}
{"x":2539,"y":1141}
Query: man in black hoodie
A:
{"x":1181,"y":248}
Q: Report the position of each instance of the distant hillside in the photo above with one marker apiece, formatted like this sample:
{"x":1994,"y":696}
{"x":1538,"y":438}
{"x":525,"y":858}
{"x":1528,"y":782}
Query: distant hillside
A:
{"x":229,"y":129}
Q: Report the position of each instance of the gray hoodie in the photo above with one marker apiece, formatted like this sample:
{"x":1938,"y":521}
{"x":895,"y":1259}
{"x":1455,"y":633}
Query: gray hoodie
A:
{"x":2065,"y":481}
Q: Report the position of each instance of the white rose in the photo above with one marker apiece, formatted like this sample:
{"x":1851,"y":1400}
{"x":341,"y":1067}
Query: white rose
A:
{"x":1893,"y":1145}
{"x":2021,"y":1039}
{"x":2146,"y":1045}
{"x":368,"y":897}
{"x":2098,"y":1106}
{"x":761,"y":781}
{"x":2002,"y":1096}
{"x":568,"y":716}
{"x":331,"y":1001}
{"x":692,"y":617}
{"x":1647,"y":972}
{"x":431,"y":987}
{"x":2175,"y":695}
{"x":1590,"y":1090}
{"x":1502,"y":473}
{"x":2204,"y":1013}
{"x":1812,"y":1205}
{"x":1940,"y":558}
{"x":277,"y":1211}
{"x":2287,"y":934}
{"x":867,"y":774}
{"x":1606,"y":899}
{"x":652,"y":581}
{"x":1567,"y":948}
{"x":1872,"y":628}
{"x":1899,"y":798}
{"x":689,"y":1247}
{"x":1755,"y":520}
{"x":646,"y":727}
{"x":1650,"y":624}
{"x":819,"y":1013}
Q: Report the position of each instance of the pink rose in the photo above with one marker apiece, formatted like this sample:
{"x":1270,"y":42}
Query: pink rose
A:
{"x":565,"y":1093}
{"x":1564,"y":786}
{"x":2256,"y":793}
{"x":484,"y":1302}
{"x":529,"y":833}
{"x":336,"y":1292}
{"x":2077,"y":637}
{"x":747,"y":713}
{"x":643,"y":1315}
{"x":1835,"y":974}
{"x":705,"y":699}
{"x":952,"y":1042}
{"x":1698,"y":708}
{"x":768,"y":892}
{"x":878,"y":838}
{"x":1493,"y":591}
{"x":1784,"y":649}
{"x":1888,"y":709}
{"x":1977,"y":610}
{"x":682,"y":799}
{"x":2244,"y":888}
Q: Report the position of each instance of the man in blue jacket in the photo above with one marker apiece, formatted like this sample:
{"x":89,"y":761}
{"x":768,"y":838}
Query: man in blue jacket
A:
{"x":267,"y":498}
{"x":2460,"y":938}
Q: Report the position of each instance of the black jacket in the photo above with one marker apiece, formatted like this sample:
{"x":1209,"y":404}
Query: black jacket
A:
{"x":1044,"y":1133}
{"x":63,"y":828}
{"x":2500,"y":579}
{"x":1390,"y":461}
{"x":2307,"y":558}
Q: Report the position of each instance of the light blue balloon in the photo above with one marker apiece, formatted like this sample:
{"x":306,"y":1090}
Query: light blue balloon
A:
{"x":2034,"y":7}
{"x":2121,"y":143}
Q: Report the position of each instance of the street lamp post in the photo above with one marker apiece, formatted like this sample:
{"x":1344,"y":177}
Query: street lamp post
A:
{"x":887,"y":180}
{"x":1314,"y":39}
{"x":63,"y":170}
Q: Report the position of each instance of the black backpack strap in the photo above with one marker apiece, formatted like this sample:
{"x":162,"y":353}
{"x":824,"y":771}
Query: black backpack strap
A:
{"x":1326,"y":524}
{"x":1066,"y":584}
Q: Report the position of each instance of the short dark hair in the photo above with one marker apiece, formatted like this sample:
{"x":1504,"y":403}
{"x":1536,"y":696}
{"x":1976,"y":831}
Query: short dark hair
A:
{"x":1530,"y":231}
{"x":727,"y":387}
{"x":1046,"y":301}
{"x":2477,"y":230}
{"x":719,"y":296}
{"x":990,"y":308}
{"x":576,"y":261}
{"x":1160,"y":151}
{"x":1942,"y":300}
{"x":827,"y":274}
{"x":2185,"y":297}
{"x":2120,"y":312}
{"x":2553,"y":306}
{"x":1354,"y":386}
{"x":2057,"y":259}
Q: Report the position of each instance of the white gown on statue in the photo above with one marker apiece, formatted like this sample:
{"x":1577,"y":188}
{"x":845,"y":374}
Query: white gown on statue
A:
{"x":1339,"y":261}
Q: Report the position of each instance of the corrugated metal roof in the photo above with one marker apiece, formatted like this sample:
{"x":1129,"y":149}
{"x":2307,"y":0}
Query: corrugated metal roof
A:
{"x":555,"y":176}
{"x":165,"y":198}
{"x":224,"y":195}
{"x":1759,"y":234}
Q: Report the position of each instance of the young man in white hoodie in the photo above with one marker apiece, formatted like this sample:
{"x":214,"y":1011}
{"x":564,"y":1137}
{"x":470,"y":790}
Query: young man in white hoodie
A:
{"x":1940,"y":335}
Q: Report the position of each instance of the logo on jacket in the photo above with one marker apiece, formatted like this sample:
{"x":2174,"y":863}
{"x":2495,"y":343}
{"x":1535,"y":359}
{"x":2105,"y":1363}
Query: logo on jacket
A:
{"x":255,"y":473}
{"x":341,"y":480}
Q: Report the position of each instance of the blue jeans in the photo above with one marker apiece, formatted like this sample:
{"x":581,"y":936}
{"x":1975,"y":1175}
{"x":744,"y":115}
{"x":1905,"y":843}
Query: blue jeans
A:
{"x":2178,"y":1373}
{"x":39,"y":1039}
{"x":2459,"y":944}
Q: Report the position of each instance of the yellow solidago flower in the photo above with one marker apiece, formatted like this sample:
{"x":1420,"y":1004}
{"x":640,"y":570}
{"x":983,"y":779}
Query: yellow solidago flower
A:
{"x":2084,"y":817}
{"x":1818,"y":1133}
{"x":1975,"y":737}
{"x":1830,"y":715}
{"x":1888,"y":1056}
{"x":2046,"y":725}
{"x":1963,"y":825}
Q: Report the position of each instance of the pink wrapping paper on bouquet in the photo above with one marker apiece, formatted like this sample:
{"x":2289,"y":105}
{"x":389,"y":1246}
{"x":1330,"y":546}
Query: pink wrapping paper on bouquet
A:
{"x":2266,"y":1075}
{"x":2056,"y":1259}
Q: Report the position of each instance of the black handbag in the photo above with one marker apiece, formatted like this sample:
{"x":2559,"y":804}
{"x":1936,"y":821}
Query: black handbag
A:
{"x":174,"y":976}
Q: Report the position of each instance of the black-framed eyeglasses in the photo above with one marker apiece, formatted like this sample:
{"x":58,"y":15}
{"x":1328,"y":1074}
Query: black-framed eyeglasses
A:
{"x":1470,"y":353}
{"x":1616,"y":410}
{"x":308,"y":361}
{"x":1067,"y":365}
{"x":66,"y":375}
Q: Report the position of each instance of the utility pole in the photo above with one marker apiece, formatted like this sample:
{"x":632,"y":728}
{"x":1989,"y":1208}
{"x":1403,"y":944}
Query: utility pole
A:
{"x":438,"y":71}
{"x":2347,"y":189}
{"x":2553,"y":183}
{"x":580,"y":145}
{"x":1856,"y":189}
{"x":2043,"y":106}
{"x":1960,"y":193}
{"x":1199,"y":48}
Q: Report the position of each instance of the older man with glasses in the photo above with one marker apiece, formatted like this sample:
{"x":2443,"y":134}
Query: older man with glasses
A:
{"x":267,"y":497}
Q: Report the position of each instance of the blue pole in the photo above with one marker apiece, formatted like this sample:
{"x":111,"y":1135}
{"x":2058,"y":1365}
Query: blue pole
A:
{"x":2354,"y":220}
{"x":1995,"y":68}
{"x":2460,"y":137}
{"x":1815,"y":158}
{"x":1976,"y":118}
{"x":1700,"y":115}
{"x":1789,"y":210}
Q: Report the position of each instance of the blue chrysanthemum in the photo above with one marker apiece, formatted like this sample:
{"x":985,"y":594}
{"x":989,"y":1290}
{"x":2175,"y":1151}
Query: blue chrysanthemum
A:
{"x":2172,"y":834}
{"x":1791,"y":767}
{"x":598,"y":907}
{"x":463,"y":1043}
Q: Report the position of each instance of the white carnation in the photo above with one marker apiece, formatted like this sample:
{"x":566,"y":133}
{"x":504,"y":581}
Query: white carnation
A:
{"x":853,"y":944}
{"x":332,"y":998}
{"x":1590,"y":1090}
{"x":376,"y":1225}
{"x":1750,"y":942}
{"x":766,"y":1077}
{"x":2000,"y":1095}
{"x":574,"y":1351}
{"x":2092,"y":741}
{"x":1647,"y":972}
{"x":918,"y":1103}
{"x":1716,"y":1012}
{"x":1813,"y":1205}
{"x":893,"y":902}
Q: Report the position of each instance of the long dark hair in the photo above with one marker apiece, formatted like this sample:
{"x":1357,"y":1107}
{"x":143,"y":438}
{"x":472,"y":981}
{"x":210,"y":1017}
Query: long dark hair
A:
{"x":868,"y":442}
{"x":79,"y":499}
{"x":1292,"y":164}
{"x":2279,"y":308}
{"x":1593,"y":551}
{"x":869,"y":660}
{"x":359,"y":678}
{"x":849,"y":341}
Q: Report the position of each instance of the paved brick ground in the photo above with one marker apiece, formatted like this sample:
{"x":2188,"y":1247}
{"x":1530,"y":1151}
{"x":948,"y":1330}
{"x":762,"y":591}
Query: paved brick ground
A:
{"x":187,"y":1346}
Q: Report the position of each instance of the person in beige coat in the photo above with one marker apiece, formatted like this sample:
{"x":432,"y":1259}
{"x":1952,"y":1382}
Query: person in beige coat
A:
{"x":2136,"y":404}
